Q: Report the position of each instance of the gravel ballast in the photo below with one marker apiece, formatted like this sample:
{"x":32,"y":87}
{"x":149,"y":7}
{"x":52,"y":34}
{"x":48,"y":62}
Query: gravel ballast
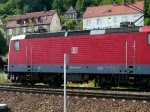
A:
{"x":25,"y":102}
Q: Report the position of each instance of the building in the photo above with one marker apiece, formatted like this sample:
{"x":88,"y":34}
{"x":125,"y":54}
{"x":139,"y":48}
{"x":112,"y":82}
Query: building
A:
{"x":20,"y":24}
{"x":113,"y":15}
{"x":73,"y":14}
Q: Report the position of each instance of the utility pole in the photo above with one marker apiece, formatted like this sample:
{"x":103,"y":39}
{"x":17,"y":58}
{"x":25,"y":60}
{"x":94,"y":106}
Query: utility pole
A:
{"x":66,"y":59}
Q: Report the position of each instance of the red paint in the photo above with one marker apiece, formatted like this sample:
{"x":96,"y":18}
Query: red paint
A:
{"x":107,"y":49}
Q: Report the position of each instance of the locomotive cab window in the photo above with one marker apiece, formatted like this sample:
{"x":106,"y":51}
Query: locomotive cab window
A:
{"x":17,"y":45}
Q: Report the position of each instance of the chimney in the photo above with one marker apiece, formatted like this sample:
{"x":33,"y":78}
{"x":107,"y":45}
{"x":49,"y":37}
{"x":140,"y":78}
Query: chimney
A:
{"x":45,"y":9}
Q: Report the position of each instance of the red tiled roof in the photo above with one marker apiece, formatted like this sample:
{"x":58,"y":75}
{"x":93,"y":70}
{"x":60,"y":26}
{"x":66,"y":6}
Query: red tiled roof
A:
{"x":101,"y":11}
{"x":34,"y":15}
{"x":43,"y":21}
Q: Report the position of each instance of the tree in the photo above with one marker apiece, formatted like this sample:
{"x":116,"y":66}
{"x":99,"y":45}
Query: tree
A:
{"x":58,"y":5}
{"x":71,"y":25}
{"x":3,"y":1}
{"x":3,"y":45}
{"x":147,"y":12}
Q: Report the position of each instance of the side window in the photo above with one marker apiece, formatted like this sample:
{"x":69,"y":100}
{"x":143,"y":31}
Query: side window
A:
{"x":17,"y":45}
{"x":148,"y":39}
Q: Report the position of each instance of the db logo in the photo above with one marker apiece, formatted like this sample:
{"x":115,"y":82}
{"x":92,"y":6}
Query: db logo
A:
{"x":74,"y":50}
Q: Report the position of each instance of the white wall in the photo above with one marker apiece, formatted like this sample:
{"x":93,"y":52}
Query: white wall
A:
{"x":55,"y":24}
{"x":105,"y":23}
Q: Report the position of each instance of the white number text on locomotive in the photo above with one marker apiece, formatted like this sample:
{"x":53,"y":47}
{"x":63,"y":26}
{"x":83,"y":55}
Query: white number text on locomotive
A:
{"x":74,"y":50}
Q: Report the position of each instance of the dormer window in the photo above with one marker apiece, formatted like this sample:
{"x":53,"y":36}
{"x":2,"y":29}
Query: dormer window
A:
{"x":104,"y":11}
{"x":45,"y":17}
{"x":18,"y":21}
{"x":30,"y":21}
{"x":36,"y":20}
{"x":91,"y":12}
{"x":109,"y":10}
{"x":39,"y":19}
{"x":24,"y":21}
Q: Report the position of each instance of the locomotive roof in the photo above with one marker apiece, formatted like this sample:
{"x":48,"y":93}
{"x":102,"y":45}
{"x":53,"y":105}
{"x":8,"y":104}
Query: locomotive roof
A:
{"x":80,"y":33}
{"x":84,"y":32}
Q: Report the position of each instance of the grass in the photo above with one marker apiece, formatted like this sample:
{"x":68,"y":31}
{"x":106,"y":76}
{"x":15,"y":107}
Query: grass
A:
{"x":89,"y":84}
{"x":3,"y":78}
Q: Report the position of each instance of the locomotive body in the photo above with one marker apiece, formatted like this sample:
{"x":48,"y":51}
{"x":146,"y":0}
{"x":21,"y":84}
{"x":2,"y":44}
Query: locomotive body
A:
{"x":109,"y":57}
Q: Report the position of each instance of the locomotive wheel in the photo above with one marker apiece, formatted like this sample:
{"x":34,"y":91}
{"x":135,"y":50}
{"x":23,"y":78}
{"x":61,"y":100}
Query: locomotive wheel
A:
{"x":25,"y":83}
{"x":32,"y":83}
{"x":57,"y":82}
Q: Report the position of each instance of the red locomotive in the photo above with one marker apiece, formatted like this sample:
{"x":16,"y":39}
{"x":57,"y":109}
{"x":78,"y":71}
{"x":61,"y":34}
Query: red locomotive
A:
{"x":115,"y":56}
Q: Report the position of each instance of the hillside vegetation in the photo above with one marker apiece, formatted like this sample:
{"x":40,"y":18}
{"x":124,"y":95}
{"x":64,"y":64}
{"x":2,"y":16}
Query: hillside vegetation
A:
{"x":13,"y":7}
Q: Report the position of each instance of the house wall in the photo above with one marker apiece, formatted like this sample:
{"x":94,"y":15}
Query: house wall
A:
{"x":55,"y":24}
{"x":105,"y":22}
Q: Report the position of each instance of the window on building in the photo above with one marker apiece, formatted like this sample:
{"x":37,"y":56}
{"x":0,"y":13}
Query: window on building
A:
{"x":115,"y":19}
{"x":109,"y":10}
{"x":70,"y":16}
{"x":30,"y":21}
{"x":39,"y":19}
{"x":135,"y":17}
{"x":18,"y":21}
{"x":16,"y":45}
{"x":45,"y":17}
{"x":24,"y":29}
{"x":104,"y":11}
{"x":17,"y":31}
{"x":44,"y":26}
{"x":24,"y":21}
{"x":36,"y":27}
{"x":10,"y":31}
{"x":124,"y":19}
{"x":99,"y":21}
{"x":36,"y":20}
{"x":91,"y":12}
{"x":88,"y":22}
{"x":148,"y":39}
{"x":109,"y":20}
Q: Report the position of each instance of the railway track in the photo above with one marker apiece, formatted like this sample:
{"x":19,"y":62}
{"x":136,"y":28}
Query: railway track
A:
{"x":108,"y":94}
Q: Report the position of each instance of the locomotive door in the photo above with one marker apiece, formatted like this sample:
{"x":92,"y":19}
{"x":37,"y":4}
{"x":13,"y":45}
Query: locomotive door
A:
{"x":130,"y":53}
{"x":29,"y":57}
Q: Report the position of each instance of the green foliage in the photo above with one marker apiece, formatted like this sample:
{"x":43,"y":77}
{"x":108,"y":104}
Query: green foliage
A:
{"x":3,"y":46}
{"x":62,"y":18}
{"x":80,"y":26}
{"x":147,"y":21}
{"x":3,"y":78}
{"x":147,"y":12}
{"x":63,"y":5}
{"x":71,"y":25}
{"x":12,"y":7}
{"x":9,"y":8}
{"x":3,"y":1}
